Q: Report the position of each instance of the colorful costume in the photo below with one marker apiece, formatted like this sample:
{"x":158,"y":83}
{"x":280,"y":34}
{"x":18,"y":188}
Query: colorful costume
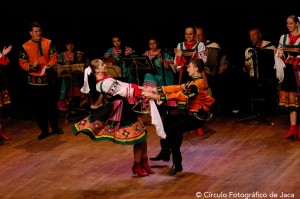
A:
{"x":289,"y":87}
{"x":43,"y":51}
{"x":195,"y":49}
{"x":194,"y":117}
{"x":43,"y":87}
{"x":113,"y":55}
{"x":4,"y":96}
{"x":162,"y":76}
{"x":115,"y":121}
{"x":70,"y":89}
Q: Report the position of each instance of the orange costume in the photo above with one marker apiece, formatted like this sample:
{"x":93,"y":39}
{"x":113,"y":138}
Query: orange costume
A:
{"x":198,"y":103}
{"x":194,"y":94}
{"x":42,"y":82}
{"x":43,"y":51}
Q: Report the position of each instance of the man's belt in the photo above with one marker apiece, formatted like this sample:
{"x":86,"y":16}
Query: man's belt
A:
{"x":202,"y":115}
{"x":37,"y":80}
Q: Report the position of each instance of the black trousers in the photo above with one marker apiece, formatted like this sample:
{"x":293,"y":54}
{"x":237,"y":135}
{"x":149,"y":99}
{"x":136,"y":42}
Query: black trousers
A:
{"x":44,"y":102}
{"x":175,"y":125}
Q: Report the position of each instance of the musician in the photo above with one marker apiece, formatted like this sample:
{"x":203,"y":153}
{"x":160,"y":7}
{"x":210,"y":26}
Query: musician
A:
{"x":114,"y":55}
{"x":216,"y":60}
{"x":257,"y":44}
{"x":163,"y":75}
{"x":37,"y":57}
{"x":259,"y":70}
{"x":215,"y":67}
{"x":70,"y":94}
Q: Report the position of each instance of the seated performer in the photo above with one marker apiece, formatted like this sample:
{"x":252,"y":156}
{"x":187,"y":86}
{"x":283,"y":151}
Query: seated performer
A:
{"x":113,"y":55}
{"x":115,"y":121}
{"x":195,"y":116}
{"x":163,"y":75}
{"x":70,"y":92}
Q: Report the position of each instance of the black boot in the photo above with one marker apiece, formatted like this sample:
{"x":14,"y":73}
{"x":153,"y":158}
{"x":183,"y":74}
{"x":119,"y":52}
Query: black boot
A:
{"x":164,"y":153}
{"x":57,"y":131}
{"x":175,"y":169}
{"x":165,"y":156}
{"x":43,"y":135}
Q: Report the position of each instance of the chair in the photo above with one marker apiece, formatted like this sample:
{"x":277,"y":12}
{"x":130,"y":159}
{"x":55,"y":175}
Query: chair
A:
{"x":70,"y":73}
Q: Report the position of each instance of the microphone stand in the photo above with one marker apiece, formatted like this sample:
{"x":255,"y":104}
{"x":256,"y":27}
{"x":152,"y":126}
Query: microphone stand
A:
{"x":255,"y":85}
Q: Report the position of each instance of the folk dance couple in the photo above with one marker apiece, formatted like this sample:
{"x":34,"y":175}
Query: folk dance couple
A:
{"x":117,"y":122}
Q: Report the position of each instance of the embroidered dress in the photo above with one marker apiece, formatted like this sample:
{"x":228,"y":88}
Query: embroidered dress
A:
{"x":113,"y":55}
{"x":289,"y":88}
{"x":115,"y":121}
{"x":4,"y":96}
{"x":162,"y":76}
{"x":70,"y":88}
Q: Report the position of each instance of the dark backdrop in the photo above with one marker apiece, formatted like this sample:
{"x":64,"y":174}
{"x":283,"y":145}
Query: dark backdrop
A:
{"x":93,"y":24}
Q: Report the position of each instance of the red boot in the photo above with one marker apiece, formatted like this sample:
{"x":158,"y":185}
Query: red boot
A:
{"x":146,"y":167}
{"x":137,"y":169}
{"x":293,"y":132}
{"x":4,"y":136}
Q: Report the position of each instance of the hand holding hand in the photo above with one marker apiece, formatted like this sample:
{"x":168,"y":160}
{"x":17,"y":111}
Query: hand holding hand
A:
{"x":150,"y":95}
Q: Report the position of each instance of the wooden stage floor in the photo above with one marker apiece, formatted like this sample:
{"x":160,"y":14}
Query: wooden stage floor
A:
{"x":231,"y":160}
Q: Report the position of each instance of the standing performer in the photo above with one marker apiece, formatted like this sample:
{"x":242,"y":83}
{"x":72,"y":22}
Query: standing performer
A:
{"x":38,"y":57}
{"x":115,"y":121}
{"x":287,"y":65}
{"x":4,"y":96}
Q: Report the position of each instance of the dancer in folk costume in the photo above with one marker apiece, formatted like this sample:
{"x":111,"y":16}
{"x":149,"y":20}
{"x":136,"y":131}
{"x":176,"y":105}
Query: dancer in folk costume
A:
{"x":287,"y":65}
{"x":115,"y":121}
{"x":4,"y":96}
{"x":194,"y":117}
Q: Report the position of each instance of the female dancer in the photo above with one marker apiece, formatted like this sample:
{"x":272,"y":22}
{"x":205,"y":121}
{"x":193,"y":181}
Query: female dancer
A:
{"x":4,"y":97}
{"x":288,"y":53}
{"x":116,"y":121}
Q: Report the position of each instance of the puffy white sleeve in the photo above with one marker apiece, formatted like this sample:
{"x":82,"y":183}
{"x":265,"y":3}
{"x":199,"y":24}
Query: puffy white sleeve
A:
{"x":116,"y":87}
{"x":201,"y":52}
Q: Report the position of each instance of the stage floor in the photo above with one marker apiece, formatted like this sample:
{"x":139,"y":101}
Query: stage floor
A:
{"x":231,"y":158}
